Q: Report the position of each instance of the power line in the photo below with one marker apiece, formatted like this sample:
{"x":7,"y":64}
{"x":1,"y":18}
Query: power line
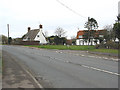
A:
{"x":70,"y":9}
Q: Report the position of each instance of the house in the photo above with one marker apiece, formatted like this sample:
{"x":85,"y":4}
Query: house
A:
{"x":82,"y":36}
{"x":35,"y":35}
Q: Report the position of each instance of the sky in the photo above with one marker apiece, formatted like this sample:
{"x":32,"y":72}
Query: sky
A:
{"x":21,"y":14}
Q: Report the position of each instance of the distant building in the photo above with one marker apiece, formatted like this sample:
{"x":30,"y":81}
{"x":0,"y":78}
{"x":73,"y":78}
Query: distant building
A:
{"x":82,"y":40}
{"x":35,"y":35}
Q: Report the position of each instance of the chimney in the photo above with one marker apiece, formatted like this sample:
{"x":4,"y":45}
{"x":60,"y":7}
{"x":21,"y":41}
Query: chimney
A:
{"x":28,"y":29}
{"x":40,"y":26}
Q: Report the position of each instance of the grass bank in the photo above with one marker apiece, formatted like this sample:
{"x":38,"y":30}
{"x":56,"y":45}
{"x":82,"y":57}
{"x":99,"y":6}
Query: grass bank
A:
{"x":63,"y":47}
{"x":114,"y":51}
{"x":74,"y":47}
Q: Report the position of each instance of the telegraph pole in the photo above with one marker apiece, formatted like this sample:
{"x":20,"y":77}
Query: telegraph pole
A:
{"x":8,"y":32}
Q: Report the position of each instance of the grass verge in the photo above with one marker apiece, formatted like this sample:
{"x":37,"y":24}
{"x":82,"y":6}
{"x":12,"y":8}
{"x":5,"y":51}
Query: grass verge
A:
{"x":74,"y":47}
{"x":114,"y":51}
{"x":63,"y":47}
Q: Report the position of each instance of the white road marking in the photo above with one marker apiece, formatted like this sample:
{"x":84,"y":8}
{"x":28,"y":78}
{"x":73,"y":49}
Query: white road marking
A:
{"x":98,"y":69}
{"x":22,"y":66}
{"x":82,"y":55}
{"x":105,"y":58}
{"x":40,"y":86}
{"x":91,"y":56}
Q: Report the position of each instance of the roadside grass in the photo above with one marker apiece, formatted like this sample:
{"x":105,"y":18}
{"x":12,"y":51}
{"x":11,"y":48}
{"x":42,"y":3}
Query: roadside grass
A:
{"x":63,"y":47}
{"x":74,"y":47}
{"x":114,"y":51}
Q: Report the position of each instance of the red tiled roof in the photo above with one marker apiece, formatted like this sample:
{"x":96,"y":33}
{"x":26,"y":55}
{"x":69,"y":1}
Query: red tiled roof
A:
{"x":81,"y":32}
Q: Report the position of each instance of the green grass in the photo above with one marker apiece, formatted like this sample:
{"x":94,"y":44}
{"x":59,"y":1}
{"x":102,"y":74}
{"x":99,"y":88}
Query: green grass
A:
{"x":106,"y":50}
{"x":74,"y":47}
{"x":63,"y":47}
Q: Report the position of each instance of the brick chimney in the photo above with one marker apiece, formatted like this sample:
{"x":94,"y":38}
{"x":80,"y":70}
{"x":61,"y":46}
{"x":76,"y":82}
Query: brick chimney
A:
{"x":28,"y":29}
{"x":40,"y":26}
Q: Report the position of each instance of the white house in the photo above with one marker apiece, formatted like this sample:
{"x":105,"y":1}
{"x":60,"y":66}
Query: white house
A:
{"x":81,"y":37}
{"x":35,"y":35}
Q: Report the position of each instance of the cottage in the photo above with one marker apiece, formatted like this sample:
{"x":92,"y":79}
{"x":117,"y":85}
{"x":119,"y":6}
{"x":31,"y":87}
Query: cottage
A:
{"x":35,"y":35}
{"x":93,"y":35}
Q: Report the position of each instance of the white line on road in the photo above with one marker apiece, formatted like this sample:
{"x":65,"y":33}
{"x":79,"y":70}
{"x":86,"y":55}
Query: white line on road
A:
{"x":40,"y":86}
{"x":24,"y":68}
{"x":98,"y":69}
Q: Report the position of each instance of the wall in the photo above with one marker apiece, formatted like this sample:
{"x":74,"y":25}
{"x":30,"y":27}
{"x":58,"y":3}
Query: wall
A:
{"x":30,"y":42}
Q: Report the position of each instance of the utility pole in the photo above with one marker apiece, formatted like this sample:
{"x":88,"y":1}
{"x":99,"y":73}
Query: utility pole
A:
{"x":8,"y":32}
{"x":88,"y":33}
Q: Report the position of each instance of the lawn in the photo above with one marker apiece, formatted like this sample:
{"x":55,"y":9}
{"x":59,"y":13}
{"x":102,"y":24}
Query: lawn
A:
{"x":74,"y":47}
{"x":63,"y":47}
{"x":115,"y":51}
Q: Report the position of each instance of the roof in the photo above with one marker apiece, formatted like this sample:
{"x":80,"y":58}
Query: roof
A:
{"x":97,"y":32}
{"x":31,"y":34}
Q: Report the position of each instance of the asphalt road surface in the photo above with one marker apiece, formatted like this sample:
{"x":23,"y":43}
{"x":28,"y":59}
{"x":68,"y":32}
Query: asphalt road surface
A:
{"x":63,"y":70}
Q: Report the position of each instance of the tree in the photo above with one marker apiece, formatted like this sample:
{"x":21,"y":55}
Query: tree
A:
{"x":73,"y":38}
{"x":46,"y":33}
{"x":9,"y":40}
{"x":91,"y":25}
{"x":17,"y":41}
{"x":60,"y":32}
{"x":4,"y":39}
{"x":109,"y":34}
{"x":116,"y":29}
{"x":57,"y":40}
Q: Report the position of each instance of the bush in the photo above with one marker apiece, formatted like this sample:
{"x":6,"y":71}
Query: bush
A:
{"x":111,"y":45}
{"x":108,"y":45}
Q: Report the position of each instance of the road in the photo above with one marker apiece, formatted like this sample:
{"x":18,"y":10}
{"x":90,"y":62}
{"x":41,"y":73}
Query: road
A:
{"x":63,"y":70}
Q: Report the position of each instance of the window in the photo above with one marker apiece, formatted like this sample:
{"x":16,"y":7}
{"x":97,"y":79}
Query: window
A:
{"x":37,"y":35}
{"x":80,"y":36}
{"x":101,"y":36}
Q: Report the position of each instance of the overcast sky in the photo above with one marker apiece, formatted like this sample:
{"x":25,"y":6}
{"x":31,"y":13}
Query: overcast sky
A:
{"x":21,"y":14}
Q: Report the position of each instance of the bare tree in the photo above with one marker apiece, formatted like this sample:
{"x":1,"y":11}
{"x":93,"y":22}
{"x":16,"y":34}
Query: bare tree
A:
{"x":110,"y":33}
{"x":108,"y":27}
{"x":73,"y":37}
{"x":46,"y":33}
{"x":60,"y":32}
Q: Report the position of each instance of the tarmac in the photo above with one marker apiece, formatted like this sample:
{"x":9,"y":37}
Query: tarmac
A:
{"x":14,"y":76}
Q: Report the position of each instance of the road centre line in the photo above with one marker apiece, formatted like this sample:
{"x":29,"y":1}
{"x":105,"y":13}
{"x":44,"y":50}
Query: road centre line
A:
{"x":97,"y":69}
{"x":93,"y":68}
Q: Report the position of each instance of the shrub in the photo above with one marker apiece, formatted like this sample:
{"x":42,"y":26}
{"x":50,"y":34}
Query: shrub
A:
{"x":108,"y":45}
